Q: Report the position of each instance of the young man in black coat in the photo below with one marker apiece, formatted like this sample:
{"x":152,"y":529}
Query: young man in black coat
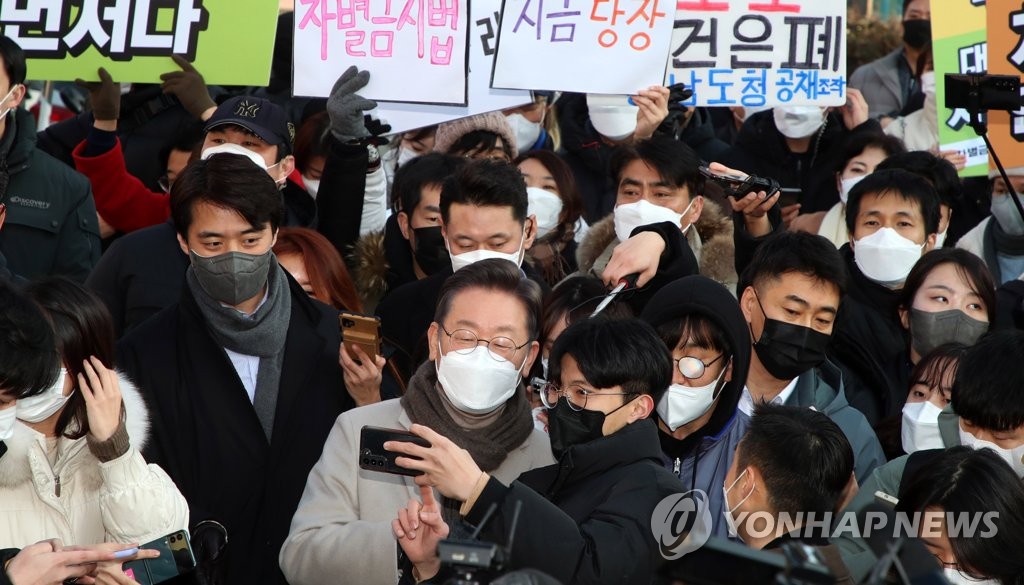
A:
{"x":587,"y":518}
{"x":241,"y":375}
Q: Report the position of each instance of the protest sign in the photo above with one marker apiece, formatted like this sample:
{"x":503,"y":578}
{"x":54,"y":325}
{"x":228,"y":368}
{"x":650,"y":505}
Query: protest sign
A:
{"x":1006,"y":47}
{"x":484,"y":16}
{"x":594,"y":46}
{"x":958,"y":45}
{"x":757,"y":53}
{"x":134,"y":39}
{"x":415,"y":50}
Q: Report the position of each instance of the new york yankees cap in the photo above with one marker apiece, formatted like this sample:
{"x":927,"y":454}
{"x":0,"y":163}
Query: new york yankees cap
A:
{"x":257,"y":115}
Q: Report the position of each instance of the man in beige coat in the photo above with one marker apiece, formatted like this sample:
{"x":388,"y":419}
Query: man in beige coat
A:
{"x":483,"y":338}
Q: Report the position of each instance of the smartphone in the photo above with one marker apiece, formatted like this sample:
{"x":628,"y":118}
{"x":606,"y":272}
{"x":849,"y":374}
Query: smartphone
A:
{"x":361,"y":330}
{"x":175,"y":559}
{"x":885,"y":499}
{"x":374,"y":457}
{"x":789,"y":196}
{"x":739,"y":186}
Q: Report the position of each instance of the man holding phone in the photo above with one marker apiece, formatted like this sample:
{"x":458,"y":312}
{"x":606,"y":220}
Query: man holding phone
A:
{"x":483,"y":338}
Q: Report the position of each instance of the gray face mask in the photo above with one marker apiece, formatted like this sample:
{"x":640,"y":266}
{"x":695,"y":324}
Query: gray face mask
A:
{"x":930,"y":330}
{"x":232,"y":277}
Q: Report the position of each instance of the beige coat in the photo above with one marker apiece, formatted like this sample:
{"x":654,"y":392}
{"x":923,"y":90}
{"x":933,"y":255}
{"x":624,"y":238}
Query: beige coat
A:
{"x":341,"y":532}
{"x":123,"y":500}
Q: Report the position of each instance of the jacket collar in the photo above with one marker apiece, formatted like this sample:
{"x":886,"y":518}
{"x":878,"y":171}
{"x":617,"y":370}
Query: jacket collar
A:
{"x":631,"y":444}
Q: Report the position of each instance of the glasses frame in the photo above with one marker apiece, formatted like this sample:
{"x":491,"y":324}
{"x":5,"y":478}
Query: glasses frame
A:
{"x":561,"y":394}
{"x":704,"y":366}
{"x":487,"y":344}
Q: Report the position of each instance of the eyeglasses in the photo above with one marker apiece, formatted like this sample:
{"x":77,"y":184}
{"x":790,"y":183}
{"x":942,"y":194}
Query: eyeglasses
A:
{"x":575,"y":396}
{"x":464,"y":341}
{"x":692,"y":368}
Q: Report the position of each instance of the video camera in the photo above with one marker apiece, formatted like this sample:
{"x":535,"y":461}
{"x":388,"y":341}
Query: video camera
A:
{"x":476,"y":562}
{"x":722,"y":562}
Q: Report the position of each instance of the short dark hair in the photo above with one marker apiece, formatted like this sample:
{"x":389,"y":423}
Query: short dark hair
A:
{"x":423,"y":171}
{"x":934,"y":365}
{"x":229,"y":181}
{"x":936,"y":170}
{"x":961,"y":480}
{"x":969,"y":266}
{"x":29,"y":360}
{"x":82,"y":328}
{"x":805,"y":253}
{"x":902,"y":184}
{"x":699,"y":328}
{"x":478,"y":141}
{"x":14,"y":60}
{"x":185,"y":139}
{"x":675,"y":162}
{"x":615,"y":352}
{"x":495,"y":275}
{"x":861,"y":141}
{"x":574,"y":299}
{"x":572,"y":202}
{"x":803,"y":456}
{"x":486,"y":183}
{"x":989,"y":382}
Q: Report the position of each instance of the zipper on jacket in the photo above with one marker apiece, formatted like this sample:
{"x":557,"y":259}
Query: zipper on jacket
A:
{"x":56,"y":485}
{"x":675,"y":469}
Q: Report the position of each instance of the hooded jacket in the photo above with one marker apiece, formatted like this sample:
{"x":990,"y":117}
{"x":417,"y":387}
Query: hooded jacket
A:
{"x":761,"y":150}
{"x":702,"y":459}
{"x":711,"y":241}
{"x":51,"y":226}
{"x":80,"y":500}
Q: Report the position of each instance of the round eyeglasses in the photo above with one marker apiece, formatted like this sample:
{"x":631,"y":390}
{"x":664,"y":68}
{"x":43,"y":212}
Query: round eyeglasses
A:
{"x":692,"y":368}
{"x":575,"y":396}
{"x":464,"y":341}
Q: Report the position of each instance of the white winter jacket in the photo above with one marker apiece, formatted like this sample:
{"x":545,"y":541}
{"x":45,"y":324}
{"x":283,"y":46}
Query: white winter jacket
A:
{"x":123,"y":500}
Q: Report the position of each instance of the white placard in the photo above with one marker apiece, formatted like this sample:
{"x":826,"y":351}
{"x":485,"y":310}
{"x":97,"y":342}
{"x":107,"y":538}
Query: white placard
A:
{"x":415,"y":50}
{"x":592,"y":46}
{"x":483,"y":39}
{"x":760,"y":52}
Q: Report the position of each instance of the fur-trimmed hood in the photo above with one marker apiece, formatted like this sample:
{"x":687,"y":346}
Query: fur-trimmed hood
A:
{"x":16,"y":466}
{"x":711,"y":242}
{"x":370,"y":269}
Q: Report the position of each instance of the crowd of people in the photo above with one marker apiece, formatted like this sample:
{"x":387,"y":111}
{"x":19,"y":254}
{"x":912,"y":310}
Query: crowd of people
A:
{"x":578,"y":321}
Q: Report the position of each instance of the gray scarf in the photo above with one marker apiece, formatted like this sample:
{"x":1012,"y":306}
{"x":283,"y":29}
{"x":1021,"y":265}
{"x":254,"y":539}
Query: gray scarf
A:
{"x":261,"y":334}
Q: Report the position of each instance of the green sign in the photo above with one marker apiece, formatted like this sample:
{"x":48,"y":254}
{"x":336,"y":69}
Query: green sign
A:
{"x":229,"y":41}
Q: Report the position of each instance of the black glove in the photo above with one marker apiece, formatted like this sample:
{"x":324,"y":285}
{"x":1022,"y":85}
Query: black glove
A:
{"x":346,"y":108}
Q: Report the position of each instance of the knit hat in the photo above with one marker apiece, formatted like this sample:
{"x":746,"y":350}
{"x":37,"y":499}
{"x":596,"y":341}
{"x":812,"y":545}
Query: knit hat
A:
{"x":449,"y":133}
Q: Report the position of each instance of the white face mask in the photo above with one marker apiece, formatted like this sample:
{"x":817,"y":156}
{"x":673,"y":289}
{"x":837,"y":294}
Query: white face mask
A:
{"x":940,"y":239}
{"x":730,"y":520}
{"x":886,"y":257}
{"x":612,"y":116}
{"x":8,"y":418}
{"x":1005,"y":212}
{"x":405,"y":155}
{"x":312,"y":185}
{"x":42,"y":406}
{"x":928,"y":83}
{"x":630,"y":216}
{"x":1015,"y":456}
{"x":4,"y":112}
{"x":232,"y":148}
{"x":798,"y":121}
{"x":955,"y":577}
{"x":920,"y":428}
{"x":477,"y":382}
{"x":546,"y":206}
{"x":683,"y":404}
{"x":460,"y":261}
{"x":525,"y":131}
{"x":845,"y":185}
{"x":544,"y":366}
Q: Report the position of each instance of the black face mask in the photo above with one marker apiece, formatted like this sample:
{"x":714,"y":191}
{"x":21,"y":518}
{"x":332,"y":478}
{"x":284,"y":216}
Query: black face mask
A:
{"x":430,"y":253}
{"x":917,"y":33}
{"x":788,"y":350}
{"x":568,"y":427}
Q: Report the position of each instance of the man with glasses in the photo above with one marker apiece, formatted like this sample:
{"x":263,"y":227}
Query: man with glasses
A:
{"x":587,"y":518}
{"x":791,"y":292}
{"x":483,"y":338}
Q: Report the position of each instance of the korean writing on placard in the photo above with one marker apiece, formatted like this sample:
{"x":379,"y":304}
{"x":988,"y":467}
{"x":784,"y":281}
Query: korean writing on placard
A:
{"x":118,"y":29}
{"x":602,"y":46}
{"x":756,"y":53}
{"x":973,"y":59}
{"x":422,"y":38}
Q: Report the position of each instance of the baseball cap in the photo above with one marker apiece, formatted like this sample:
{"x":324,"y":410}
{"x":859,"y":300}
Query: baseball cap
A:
{"x":260,"y":116}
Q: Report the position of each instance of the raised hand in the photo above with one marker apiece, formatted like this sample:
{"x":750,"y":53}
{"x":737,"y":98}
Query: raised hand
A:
{"x":102,"y":393}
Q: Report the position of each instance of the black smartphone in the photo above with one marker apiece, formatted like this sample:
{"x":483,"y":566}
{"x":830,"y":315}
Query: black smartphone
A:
{"x":175,"y":559}
{"x":789,"y":196}
{"x":739,"y":186}
{"x":374,"y":457}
